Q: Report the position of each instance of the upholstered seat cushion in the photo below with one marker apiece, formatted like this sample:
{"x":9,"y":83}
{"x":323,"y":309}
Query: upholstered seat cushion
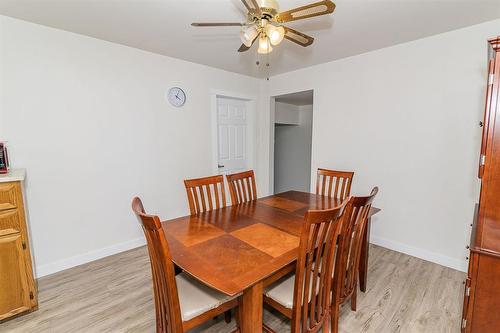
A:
{"x":196,"y":298}
{"x":282,"y":291}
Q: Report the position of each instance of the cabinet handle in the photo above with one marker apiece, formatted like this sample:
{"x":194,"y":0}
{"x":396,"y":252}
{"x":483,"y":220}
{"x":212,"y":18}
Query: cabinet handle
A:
{"x":481,"y":124}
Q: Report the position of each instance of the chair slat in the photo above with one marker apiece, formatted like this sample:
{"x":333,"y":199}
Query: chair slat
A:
{"x":202,"y":198}
{"x":209,"y":197}
{"x":240,"y":187}
{"x":246,"y":187}
{"x":216,"y":195}
{"x":197,"y":200}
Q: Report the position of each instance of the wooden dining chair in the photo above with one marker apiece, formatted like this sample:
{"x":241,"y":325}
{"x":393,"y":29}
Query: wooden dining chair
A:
{"x":181,"y":303}
{"x":351,"y":239}
{"x":305,"y":296}
{"x":242,"y":187}
{"x":205,"y":194}
{"x":333,"y":183}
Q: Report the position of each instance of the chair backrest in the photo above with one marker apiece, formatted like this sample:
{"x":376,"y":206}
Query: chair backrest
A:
{"x":242,"y":187}
{"x":353,"y":227}
{"x":314,"y":270}
{"x":333,"y":183}
{"x":205,"y":194}
{"x":167,"y":307}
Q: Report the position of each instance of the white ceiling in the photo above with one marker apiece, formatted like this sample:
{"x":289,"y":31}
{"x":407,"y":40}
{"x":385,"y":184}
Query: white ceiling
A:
{"x":163,"y":26}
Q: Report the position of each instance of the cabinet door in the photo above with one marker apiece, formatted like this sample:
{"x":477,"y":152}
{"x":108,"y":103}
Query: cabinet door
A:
{"x":14,"y":297}
{"x":485,"y":296}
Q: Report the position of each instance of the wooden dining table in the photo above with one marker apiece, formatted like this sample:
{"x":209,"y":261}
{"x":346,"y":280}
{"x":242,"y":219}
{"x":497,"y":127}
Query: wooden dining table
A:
{"x":239,"y":250}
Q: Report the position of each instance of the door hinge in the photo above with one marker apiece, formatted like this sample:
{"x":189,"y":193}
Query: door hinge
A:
{"x":491,"y":79}
{"x":468,"y":291}
{"x":24,"y":245}
{"x":464,"y":323}
{"x":32,"y":295}
{"x":482,"y":160}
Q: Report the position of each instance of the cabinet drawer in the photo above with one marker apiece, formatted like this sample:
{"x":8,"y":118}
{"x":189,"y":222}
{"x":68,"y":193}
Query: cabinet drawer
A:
{"x":9,"y":196}
{"x":9,"y":219}
{"x":15,"y":296}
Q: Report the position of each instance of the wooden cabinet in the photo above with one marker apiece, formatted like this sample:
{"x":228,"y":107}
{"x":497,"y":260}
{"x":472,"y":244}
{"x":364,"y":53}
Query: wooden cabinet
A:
{"x":481,"y":308}
{"x":17,"y":285}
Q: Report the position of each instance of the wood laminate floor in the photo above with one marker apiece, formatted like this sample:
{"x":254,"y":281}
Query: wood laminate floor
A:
{"x":114,"y":294}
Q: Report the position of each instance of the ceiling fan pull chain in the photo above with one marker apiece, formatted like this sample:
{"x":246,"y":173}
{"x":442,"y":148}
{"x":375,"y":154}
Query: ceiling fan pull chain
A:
{"x":267,"y":60}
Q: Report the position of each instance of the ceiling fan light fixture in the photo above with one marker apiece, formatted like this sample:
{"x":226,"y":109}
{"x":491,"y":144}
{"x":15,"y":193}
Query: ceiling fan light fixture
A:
{"x":275,"y":34}
{"x":248,"y":35}
{"x":264,"y":45}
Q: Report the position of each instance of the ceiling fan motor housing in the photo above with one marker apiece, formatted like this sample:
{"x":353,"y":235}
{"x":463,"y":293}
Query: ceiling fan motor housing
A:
{"x":269,"y":8}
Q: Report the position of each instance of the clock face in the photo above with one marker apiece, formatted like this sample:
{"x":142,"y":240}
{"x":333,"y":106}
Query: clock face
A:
{"x":176,"y":96}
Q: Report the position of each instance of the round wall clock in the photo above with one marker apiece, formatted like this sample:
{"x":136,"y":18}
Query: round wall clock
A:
{"x":176,"y":96}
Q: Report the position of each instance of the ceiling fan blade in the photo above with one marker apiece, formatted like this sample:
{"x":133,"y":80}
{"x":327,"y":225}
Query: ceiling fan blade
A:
{"x":298,"y":37}
{"x":315,"y":9}
{"x":217,"y":24}
{"x":244,"y":48}
{"x":252,"y":5}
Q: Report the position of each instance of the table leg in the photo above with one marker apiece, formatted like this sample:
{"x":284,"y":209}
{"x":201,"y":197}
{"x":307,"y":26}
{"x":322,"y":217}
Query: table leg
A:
{"x":250,"y":309}
{"x":363,"y":262}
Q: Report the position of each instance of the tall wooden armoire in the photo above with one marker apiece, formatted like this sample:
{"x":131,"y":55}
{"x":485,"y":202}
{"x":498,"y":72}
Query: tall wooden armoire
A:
{"x":481,"y":309}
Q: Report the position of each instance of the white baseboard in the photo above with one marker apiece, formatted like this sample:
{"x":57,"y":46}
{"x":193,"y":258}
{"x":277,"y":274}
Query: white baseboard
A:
{"x":460,"y":265}
{"x":80,"y":259}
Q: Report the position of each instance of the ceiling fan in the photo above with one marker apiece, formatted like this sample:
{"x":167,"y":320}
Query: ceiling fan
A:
{"x":264,"y":22}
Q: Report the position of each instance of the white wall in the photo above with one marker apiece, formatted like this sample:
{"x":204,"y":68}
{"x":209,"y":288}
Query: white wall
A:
{"x":404,"y":118}
{"x":286,"y":114}
{"x":89,"y":121}
{"x":292,"y":149}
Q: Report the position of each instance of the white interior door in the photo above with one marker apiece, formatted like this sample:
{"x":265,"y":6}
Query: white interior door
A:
{"x":231,"y":135}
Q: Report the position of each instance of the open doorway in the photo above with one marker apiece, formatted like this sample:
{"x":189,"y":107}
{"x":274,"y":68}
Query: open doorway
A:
{"x":293,"y":116}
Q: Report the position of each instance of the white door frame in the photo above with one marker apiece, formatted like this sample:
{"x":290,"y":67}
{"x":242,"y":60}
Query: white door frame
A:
{"x":251,"y":107}
{"x":272,"y":117}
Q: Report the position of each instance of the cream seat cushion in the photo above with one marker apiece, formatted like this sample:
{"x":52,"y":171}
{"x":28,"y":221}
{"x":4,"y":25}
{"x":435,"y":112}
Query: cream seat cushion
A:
{"x":196,"y":298}
{"x":282,"y":291}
